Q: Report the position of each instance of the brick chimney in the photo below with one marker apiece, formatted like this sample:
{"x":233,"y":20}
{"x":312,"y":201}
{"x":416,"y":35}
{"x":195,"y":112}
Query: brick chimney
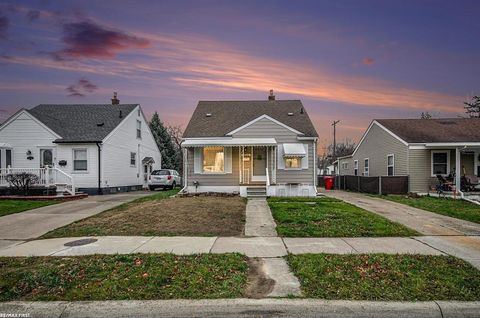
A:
{"x":115,"y":100}
{"x":271,"y":96}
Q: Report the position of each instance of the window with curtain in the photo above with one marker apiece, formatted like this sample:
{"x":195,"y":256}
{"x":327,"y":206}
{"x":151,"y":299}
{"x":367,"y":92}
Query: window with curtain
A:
{"x":293,"y":162}
{"x":80,"y":159}
{"x":214,"y":159}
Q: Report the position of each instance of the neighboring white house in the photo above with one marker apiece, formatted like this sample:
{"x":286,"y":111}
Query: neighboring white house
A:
{"x":254,"y":148}
{"x":93,"y":148}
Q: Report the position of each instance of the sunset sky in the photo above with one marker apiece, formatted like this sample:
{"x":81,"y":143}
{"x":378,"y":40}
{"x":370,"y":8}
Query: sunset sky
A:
{"x":346,"y":60}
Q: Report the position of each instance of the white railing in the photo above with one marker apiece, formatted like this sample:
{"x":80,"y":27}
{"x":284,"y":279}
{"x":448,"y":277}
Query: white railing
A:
{"x":268,"y":177}
{"x":46,"y":177}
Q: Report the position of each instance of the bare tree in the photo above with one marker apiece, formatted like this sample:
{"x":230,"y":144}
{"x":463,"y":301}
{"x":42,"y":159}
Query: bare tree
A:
{"x":342,"y":149}
{"x":176,"y":134}
{"x":472,"y":108}
{"x":425,"y":115}
{"x":22,"y":181}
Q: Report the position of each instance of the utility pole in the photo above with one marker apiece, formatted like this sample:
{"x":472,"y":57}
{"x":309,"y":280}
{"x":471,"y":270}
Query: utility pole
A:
{"x":334,"y":124}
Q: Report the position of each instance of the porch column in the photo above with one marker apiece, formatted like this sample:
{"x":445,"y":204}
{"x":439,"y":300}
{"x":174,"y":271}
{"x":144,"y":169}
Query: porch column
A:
{"x":457,"y":170}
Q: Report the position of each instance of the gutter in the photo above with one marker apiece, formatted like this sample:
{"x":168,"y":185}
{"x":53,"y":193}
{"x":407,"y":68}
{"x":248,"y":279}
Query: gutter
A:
{"x":185,"y":163}
{"x":100,"y":192}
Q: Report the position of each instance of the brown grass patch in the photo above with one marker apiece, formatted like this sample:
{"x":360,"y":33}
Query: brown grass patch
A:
{"x":189,"y":216}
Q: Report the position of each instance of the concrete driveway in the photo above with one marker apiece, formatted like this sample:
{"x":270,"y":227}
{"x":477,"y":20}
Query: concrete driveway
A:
{"x":34,"y":223}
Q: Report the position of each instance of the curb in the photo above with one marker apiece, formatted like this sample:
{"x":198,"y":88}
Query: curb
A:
{"x":240,"y":307}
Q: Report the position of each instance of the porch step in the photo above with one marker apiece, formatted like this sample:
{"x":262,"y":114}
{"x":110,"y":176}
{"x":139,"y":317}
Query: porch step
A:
{"x":256,"y":192}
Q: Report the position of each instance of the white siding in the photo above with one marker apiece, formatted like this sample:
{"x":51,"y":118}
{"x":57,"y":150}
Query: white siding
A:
{"x":116,"y":168}
{"x":23,"y":134}
{"x":83,"y":179}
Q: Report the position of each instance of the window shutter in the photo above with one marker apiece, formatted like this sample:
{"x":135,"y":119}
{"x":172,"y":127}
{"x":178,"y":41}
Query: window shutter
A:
{"x":281,"y":160}
{"x":197,"y":160}
{"x":305,"y":159}
{"x":228,"y":159}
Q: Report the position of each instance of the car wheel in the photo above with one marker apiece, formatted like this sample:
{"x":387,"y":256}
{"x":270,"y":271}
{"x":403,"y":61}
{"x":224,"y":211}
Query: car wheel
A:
{"x":174,"y":185}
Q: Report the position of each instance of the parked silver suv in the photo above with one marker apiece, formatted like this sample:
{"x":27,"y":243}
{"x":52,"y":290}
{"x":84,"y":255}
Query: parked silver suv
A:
{"x":164,"y":178}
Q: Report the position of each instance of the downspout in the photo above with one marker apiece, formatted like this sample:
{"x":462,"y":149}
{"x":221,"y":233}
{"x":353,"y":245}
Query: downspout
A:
{"x":99,"y":190}
{"x":185,"y":167}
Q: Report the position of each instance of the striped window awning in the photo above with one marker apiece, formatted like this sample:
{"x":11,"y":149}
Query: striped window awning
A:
{"x":294,"y":150}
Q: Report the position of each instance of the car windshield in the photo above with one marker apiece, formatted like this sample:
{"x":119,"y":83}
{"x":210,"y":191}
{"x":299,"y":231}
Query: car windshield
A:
{"x":161,"y":173}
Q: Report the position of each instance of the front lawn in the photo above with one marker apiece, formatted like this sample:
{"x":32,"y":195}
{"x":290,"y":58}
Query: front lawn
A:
{"x":459,"y":209}
{"x":386,"y":277}
{"x":160,"y":215}
{"x":328,"y":217}
{"x":117,"y":277}
{"x":15,"y":206}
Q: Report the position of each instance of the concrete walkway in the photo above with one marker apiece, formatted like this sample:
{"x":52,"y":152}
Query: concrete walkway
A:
{"x":424,"y":222}
{"x":242,"y":308}
{"x":259,"y":220}
{"x":34,"y":223}
{"x":263,"y":247}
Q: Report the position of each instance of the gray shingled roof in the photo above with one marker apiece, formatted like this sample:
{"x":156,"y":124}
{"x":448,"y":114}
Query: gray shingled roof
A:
{"x":229,"y":115}
{"x":434,"y":130}
{"x":81,"y":123}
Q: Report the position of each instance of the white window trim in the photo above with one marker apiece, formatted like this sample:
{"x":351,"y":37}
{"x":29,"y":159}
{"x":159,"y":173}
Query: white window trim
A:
{"x":365,"y":174}
{"x":73,"y":162}
{"x":448,"y":161}
{"x":392,"y":165}
{"x":215,"y":173}
{"x":355,"y":167}
{"x":136,"y":159}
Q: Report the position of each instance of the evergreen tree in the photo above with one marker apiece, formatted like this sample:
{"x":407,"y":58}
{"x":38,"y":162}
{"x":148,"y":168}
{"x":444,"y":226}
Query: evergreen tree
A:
{"x":164,"y":142}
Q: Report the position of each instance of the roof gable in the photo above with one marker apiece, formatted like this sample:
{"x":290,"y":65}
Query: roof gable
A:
{"x":82,"y":123}
{"x":256,"y":120}
{"x":227,"y":116}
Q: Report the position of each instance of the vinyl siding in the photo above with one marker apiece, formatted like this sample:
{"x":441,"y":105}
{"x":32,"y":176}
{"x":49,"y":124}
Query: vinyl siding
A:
{"x":83,"y":179}
{"x":420,"y":170}
{"x":376,"y":146}
{"x":228,"y":179}
{"x":263,"y":128}
{"x":116,"y":149}
{"x":350,"y":169}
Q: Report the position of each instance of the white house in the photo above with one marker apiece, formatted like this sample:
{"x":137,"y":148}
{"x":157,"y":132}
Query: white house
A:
{"x":90,"y":148}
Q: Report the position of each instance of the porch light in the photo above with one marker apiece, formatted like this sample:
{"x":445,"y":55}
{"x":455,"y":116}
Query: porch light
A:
{"x":29,"y":155}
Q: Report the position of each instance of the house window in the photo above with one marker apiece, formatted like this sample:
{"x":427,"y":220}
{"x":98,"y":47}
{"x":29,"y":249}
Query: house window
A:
{"x":391,"y":165}
{"x":213,"y":159}
{"x":133,"y":159}
{"x":293,"y":162}
{"x":440,"y":162}
{"x":355,"y":169}
{"x":366,"y":168}
{"x":345,"y":165}
{"x":80,"y":159}
{"x":8,"y":157}
{"x":139,"y":129}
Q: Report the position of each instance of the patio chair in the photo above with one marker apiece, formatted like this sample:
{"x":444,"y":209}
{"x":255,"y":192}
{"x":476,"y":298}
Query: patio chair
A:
{"x":472,"y":182}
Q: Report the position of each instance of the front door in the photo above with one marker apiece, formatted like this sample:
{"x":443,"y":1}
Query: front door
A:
{"x":259,"y":164}
{"x":46,"y":157}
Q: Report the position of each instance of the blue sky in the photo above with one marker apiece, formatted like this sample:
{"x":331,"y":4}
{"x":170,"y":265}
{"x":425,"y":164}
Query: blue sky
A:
{"x":347,"y":60}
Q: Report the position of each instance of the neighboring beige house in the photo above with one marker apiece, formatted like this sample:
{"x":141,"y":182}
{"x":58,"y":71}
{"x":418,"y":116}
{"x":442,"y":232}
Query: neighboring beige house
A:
{"x":254,"y":148}
{"x":418,"y":148}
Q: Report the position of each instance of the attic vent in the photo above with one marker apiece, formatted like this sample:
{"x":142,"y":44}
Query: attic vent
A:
{"x":100,"y":124}
{"x":208,"y":114}
{"x":290,"y":114}
{"x":120,"y":115}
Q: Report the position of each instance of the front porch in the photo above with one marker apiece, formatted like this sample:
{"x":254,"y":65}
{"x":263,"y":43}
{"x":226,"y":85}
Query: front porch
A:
{"x":455,"y":170}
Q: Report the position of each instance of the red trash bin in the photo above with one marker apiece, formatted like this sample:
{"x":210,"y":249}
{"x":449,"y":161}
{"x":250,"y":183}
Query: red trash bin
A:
{"x":328,"y":182}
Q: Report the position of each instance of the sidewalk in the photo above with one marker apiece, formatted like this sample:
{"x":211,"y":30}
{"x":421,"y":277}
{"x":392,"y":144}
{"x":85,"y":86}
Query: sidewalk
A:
{"x":243,"y":308}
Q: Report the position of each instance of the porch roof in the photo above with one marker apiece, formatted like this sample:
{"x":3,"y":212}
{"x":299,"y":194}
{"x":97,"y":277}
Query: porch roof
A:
{"x":233,"y":142}
{"x":5,"y":145}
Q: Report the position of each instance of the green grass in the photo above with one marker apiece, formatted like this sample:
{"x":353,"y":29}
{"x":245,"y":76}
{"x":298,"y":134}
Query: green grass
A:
{"x":328,"y":217}
{"x":386,"y":277}
{"x":157,"y":196}
{"x":118,"y":277}
{"x":455,"y":208}
{"x":15,"y":206}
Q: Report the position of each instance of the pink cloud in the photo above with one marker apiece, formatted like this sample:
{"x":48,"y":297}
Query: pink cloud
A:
{"x":368,"y":61}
